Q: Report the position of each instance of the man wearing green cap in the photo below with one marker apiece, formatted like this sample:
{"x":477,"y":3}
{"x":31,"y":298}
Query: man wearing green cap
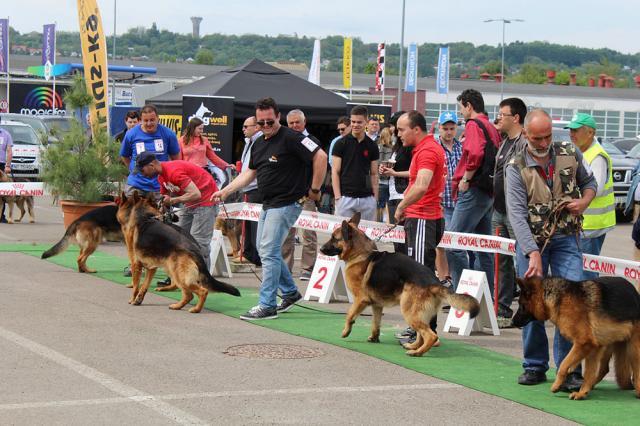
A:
{"x":600,"y":216}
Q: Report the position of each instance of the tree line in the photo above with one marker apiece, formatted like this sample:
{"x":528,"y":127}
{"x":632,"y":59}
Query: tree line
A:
{"x":524,"y":62}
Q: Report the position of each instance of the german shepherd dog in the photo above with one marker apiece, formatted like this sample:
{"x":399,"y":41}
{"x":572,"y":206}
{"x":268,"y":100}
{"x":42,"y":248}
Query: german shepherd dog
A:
{"x":21,"y":201}
{"x":87,"y":232}
{"x":152,"y":244}
{"x":232,"y":229}
{"x":379,"y":279}
{"x":601,"y":317}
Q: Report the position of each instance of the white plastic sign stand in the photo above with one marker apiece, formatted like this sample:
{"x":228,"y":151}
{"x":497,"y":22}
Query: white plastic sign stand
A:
{"x":327,"y":280}
{"x":218,"y":256}
{"x":473,"y":283}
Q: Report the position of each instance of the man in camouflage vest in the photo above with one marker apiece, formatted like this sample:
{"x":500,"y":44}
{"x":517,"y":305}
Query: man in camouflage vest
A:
{"x":547,"y":183}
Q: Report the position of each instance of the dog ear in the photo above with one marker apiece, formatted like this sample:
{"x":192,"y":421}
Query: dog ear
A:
{"x":122,"y":199}
{"x":355,"y":219}
{"x":135,"y":196}
{"x":346,"y":230}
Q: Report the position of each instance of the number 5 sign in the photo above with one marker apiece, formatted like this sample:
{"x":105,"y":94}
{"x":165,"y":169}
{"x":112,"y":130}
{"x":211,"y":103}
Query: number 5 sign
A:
{"x":327,"y":280}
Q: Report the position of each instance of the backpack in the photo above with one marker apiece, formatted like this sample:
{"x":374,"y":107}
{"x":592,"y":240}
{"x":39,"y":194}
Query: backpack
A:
{"x":483,"y":177}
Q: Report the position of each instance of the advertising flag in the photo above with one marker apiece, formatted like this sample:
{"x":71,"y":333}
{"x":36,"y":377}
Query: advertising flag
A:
{"x":94,"y":59}
{"x":380,"y":68}
{"x":346,"y":63}
{"x":4,"y":46}
{"x":314,"y":71}
{"x":442,"y":78}
{"x":48,"y":49}
{"x":412,"y":69}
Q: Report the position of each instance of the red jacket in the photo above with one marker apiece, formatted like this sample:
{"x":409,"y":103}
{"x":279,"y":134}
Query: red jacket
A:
{"x":473,"y":148}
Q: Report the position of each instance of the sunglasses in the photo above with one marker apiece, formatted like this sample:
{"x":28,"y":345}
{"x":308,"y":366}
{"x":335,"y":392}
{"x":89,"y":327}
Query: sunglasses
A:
{"x":246,"y":126}
{"x":342,"y":129}
{"x":263,"y":123}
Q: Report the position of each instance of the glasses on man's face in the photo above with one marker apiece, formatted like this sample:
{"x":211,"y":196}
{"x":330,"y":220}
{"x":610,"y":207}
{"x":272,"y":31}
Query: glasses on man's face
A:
{"x":267,"y":123}
{"x":246,"y":126}
{"x":502,"y":114}
{"x":342,"y":129}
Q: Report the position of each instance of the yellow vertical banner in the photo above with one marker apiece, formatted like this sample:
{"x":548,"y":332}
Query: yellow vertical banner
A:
{"x":347,"y":66}
{"x":94,"y":59}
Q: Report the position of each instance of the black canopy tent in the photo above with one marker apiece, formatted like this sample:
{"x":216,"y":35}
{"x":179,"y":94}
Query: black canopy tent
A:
{"x":255,"y":80}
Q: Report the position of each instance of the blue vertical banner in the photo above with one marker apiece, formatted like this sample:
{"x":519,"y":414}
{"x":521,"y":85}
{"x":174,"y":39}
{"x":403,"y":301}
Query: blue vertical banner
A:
{"x":412,"y":69}
{"x":48,"y":49}
{"x":4,"y":45}
{"x":442,"y":78}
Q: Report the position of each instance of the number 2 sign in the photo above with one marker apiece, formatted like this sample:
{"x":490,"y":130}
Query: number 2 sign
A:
{"x":327,"y":280}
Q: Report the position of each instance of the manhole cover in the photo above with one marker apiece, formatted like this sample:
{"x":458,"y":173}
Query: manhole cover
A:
{"x":273,"y":351}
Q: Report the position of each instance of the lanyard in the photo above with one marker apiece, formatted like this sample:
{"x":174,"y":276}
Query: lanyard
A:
{"x":547,"y":175}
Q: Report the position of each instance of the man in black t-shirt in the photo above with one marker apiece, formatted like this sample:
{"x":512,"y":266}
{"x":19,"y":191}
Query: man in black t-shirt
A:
{"x":510,"y":118}
{"x":280,"y":159}
{"x":354,"y":173}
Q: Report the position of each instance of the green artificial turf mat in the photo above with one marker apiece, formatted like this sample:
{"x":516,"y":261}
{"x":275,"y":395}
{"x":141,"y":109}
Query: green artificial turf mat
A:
{"x":457,"y":362}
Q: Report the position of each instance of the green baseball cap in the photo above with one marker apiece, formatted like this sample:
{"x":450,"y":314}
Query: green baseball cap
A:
{"x":581,"y":119}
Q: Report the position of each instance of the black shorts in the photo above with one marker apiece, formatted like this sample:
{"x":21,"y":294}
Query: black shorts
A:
{"x":422,"y":237}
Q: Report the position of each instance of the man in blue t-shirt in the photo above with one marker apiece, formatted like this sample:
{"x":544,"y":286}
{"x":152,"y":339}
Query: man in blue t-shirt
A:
{"x":149,"y":136}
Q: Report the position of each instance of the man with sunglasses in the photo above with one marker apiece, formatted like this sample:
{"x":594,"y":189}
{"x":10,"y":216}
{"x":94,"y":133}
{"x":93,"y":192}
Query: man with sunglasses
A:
{"x":543,"y":179}
{"x":278,"y":160}
{"x":343,"y":128}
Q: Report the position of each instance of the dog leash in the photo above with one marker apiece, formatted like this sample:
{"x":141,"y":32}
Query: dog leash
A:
{"x":391,"y":228}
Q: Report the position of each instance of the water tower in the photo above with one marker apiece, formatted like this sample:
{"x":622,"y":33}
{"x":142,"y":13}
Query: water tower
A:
{"x":195,"y":20}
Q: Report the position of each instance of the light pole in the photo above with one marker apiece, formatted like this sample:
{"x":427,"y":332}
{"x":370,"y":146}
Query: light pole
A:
{"x":504,"y":21}
{"x":401,"y":59}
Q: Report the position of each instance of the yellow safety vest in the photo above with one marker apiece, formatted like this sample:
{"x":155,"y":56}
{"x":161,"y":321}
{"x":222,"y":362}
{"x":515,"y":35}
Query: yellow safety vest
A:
{"x":601,"y":213}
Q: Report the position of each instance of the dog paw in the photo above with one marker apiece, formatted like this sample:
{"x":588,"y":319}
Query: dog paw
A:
{"x":577,"y":396}
{"x":175,"y":307}
{"x":414,"y":353}
{"x":194,"y":310}
{"x":373,"y":339}
{"x":32,"y":221}
{"x":555,"y":387}
{"x":129,"y":285}
{"x":346,"y":333}
{"x":138,"y":300}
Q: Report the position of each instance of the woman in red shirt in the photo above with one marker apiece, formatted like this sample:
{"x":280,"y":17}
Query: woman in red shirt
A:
{"x":196,"y":149}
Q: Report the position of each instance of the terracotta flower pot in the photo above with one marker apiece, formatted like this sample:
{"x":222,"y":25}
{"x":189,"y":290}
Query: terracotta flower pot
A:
{"x":71,"y":210}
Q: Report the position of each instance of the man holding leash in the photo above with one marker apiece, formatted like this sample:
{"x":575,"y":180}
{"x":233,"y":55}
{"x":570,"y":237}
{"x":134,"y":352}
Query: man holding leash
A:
{"x":183,"y":182}
{"x":278,"y":159}
{"x":548,"y":187}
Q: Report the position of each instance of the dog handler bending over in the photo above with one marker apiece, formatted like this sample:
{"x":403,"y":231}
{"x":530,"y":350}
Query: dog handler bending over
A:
{"x":183,"y":182}
{"x":544,"y":183}
{"x":279,"y":158}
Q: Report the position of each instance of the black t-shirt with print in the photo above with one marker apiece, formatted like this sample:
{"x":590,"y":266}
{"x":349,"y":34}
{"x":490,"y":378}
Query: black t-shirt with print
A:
{"x":283,"y":164}
{"x":355,"y":168}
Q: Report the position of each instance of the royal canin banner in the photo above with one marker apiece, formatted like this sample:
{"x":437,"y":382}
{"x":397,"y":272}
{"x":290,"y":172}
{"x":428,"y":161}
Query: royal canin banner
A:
{"x":12,"y":189}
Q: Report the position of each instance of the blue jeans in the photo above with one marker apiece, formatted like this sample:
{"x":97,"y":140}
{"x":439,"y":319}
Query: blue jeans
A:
{"x":273,"y":227}
{"x":472,"y":214}
{"x":565,"y":259}
{"x":591,"y":246}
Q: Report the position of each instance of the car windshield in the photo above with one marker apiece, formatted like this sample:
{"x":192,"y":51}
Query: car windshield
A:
{"x":22,"y":135}
{"x":611,"y":148}
{"x":58,"y":124}
{"x":635,"y":152}
{"x":34,"y":122}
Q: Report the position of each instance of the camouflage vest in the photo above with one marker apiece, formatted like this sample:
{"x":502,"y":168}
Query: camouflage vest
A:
{"x":542,"y":200}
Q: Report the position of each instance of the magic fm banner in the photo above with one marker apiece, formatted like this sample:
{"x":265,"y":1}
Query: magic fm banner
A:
{"x":347,"y":67}
{"x":442,"y":78}
{"x":4,"y":45}
{"x":216,"y":113}
{"x":37,"y":99}
{"x":94,"y":59}
{"x":326,"y":223}
{"x":380,"y":111}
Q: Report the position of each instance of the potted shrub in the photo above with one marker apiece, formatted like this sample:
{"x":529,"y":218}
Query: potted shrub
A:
{"x":83,"y":172}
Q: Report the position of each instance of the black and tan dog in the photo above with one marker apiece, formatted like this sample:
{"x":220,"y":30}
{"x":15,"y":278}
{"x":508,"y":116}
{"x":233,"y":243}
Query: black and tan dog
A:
{"x":152,"y":244}
{"x":601,"y":317}
{"x":88,"y":231}
{"x":379,"y":279}
{"x":24,"y":203}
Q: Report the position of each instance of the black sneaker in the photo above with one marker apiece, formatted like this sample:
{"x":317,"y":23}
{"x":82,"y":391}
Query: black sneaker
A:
{"x":407,"y":332}
{"x":165,"y":283}
{"x":288,"y":302}
{"x":127,"y":271}
{"x":259,"y":313}
{"x":572,"y":383}
{"x":532,"y":377}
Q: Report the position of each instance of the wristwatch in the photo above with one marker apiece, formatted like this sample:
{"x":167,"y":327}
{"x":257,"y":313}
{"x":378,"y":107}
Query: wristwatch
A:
{"x":315,"y":191}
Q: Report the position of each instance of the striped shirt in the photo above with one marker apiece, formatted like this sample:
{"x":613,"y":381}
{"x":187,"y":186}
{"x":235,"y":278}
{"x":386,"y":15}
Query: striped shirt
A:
{"x":451,"y":159}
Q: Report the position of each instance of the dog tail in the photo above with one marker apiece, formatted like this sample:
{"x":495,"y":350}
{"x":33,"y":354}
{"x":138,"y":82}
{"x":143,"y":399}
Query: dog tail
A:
{"x":463,"y":302}
{"x":213,"y":284}
{"x":62,"y":244}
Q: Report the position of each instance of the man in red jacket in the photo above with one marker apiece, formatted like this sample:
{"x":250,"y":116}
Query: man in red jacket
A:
{"x":473,"y":181}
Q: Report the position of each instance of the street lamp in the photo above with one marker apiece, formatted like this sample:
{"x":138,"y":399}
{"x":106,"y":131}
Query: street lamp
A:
{"x":399,"y":103}
{"x":504,"y":21}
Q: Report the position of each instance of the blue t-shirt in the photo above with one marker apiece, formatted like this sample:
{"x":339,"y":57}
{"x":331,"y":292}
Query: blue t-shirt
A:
{"x":163,"y":143}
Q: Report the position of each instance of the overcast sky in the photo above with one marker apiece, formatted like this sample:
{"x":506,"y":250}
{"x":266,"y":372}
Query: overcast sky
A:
{"x":584,"y":23}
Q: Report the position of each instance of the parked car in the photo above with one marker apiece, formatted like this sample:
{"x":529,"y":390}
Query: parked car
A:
{"x":25,"y":162}
{"x":49,"y":125}
{"x":625,"y":144}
